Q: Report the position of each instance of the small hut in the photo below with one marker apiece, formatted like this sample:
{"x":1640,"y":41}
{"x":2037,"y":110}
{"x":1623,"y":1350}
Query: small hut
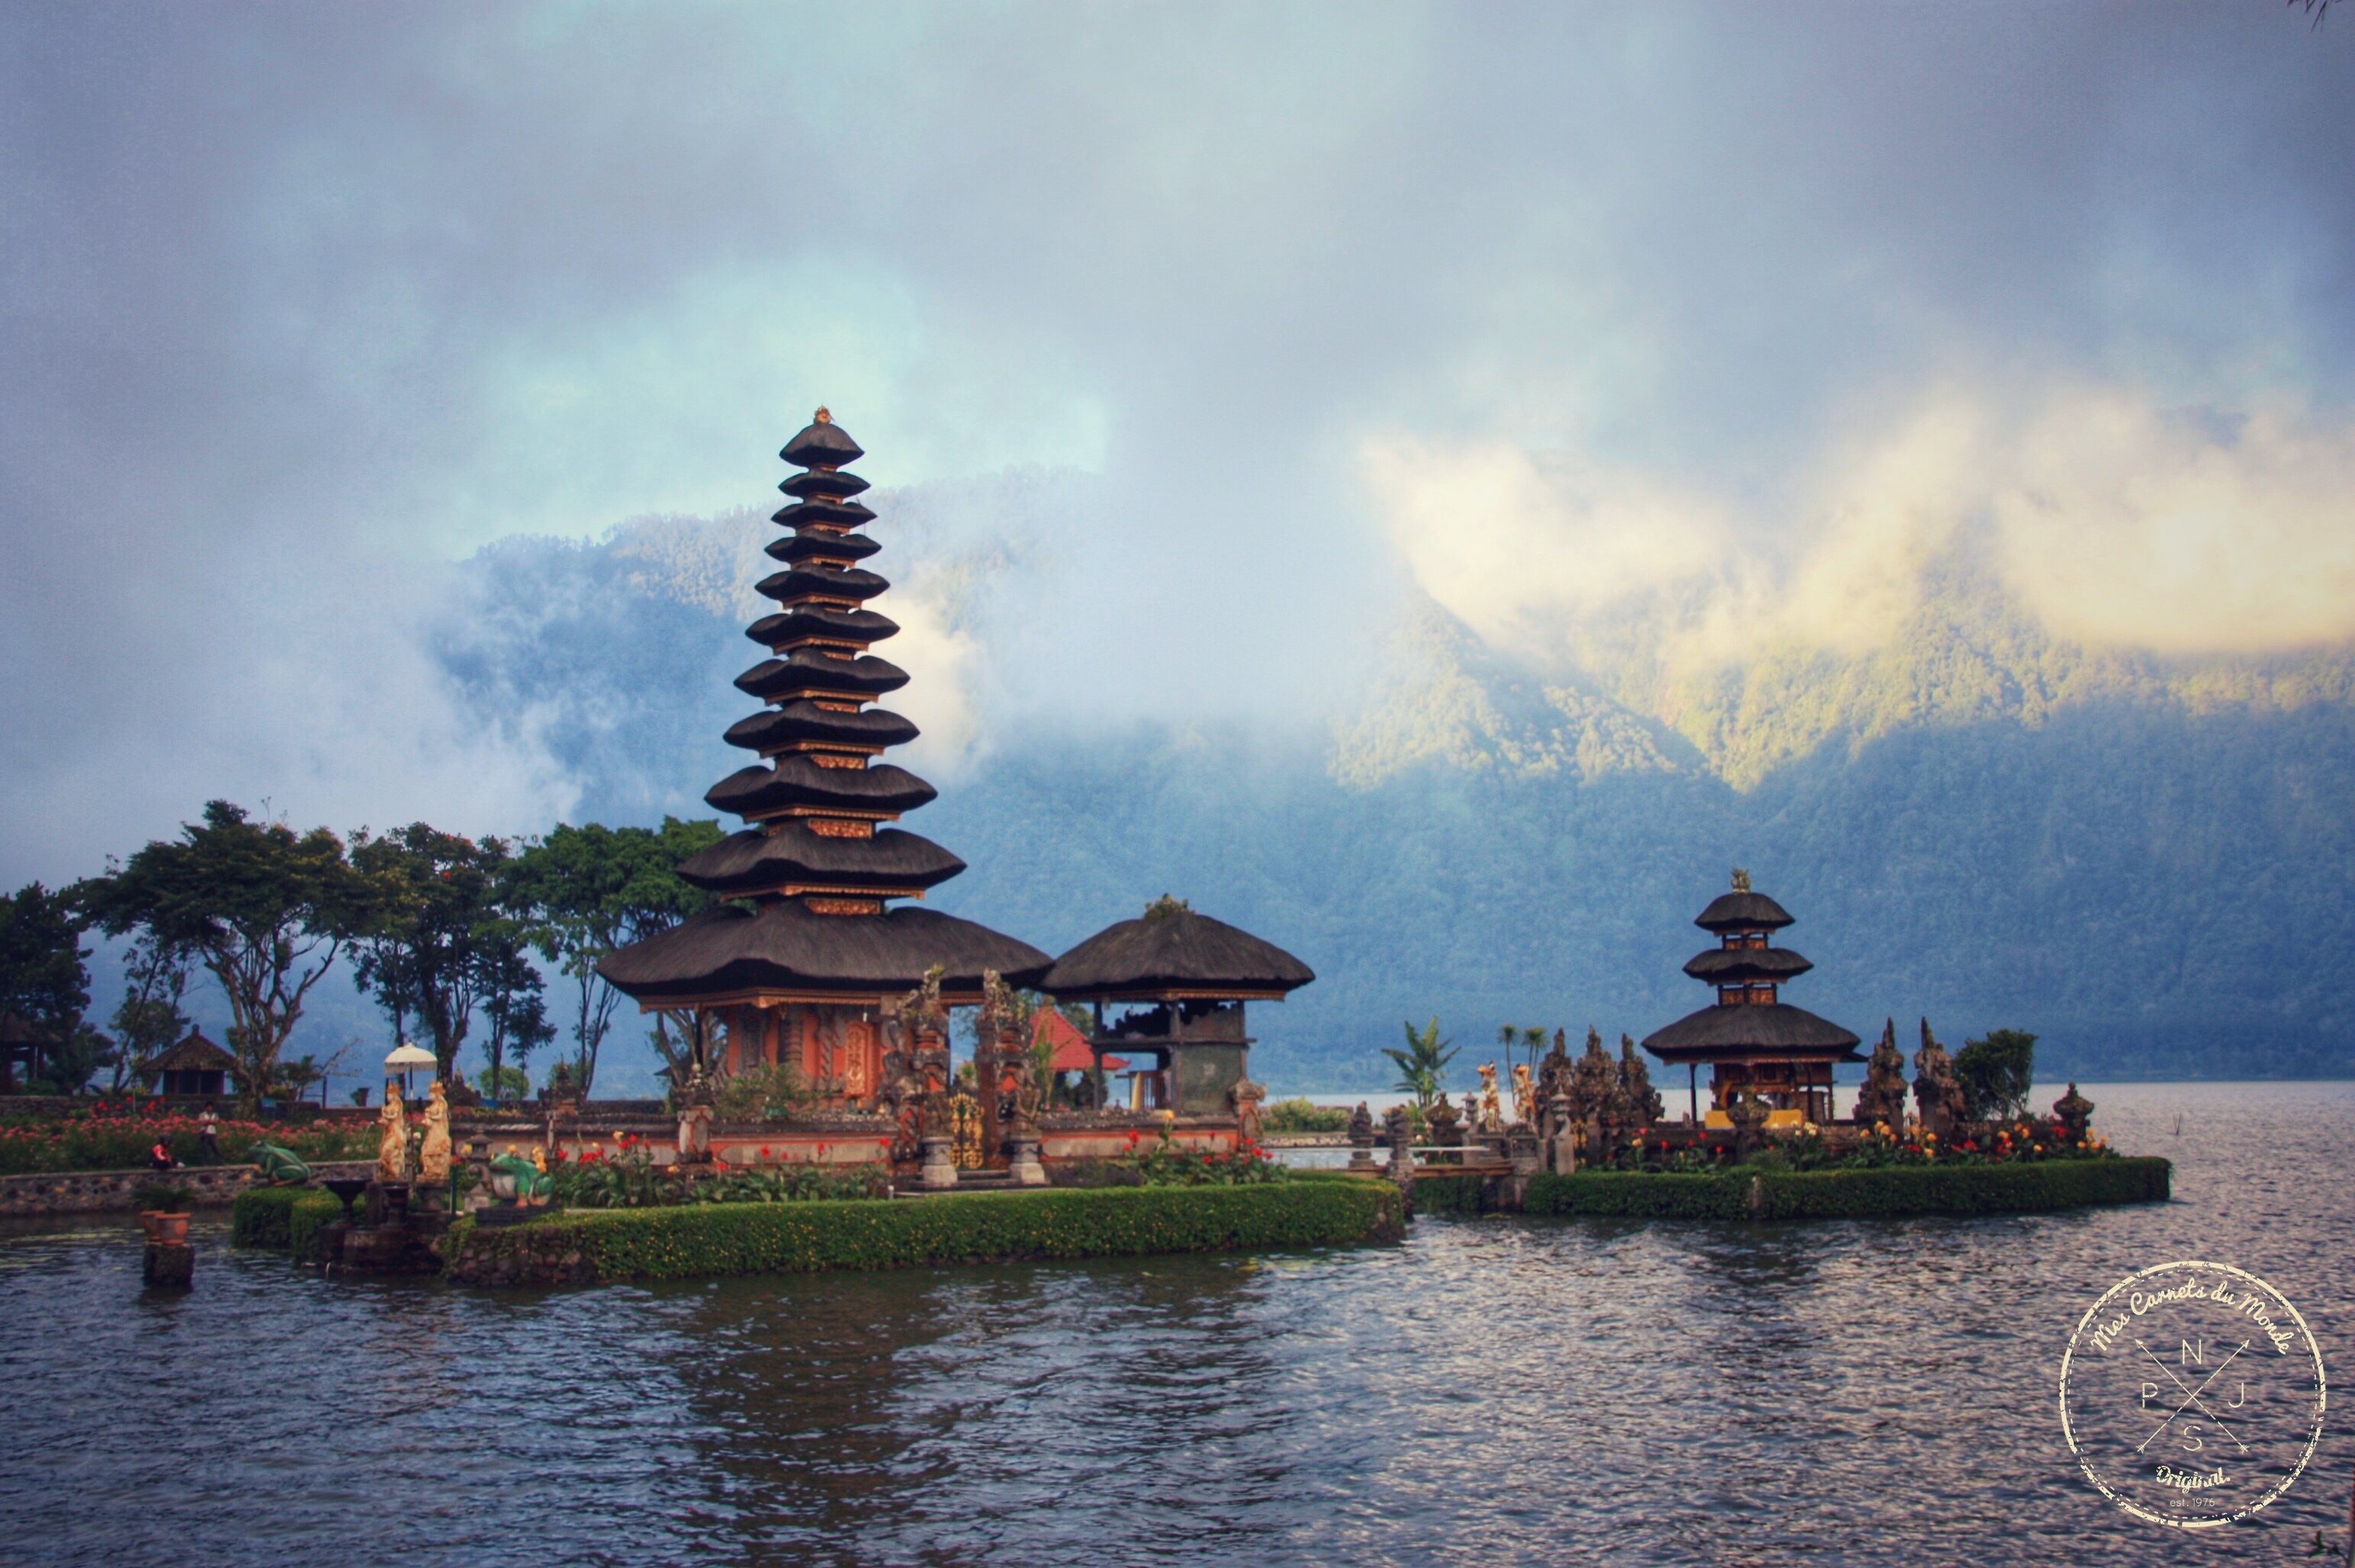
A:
{"x":195,"y":1066}
{"x":1752,"y":1040}
{"x":21,"y":1048}
{"x":1186,"y":979}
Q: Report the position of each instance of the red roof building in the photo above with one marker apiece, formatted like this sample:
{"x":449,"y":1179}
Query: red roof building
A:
{"x":1072,"y":1053}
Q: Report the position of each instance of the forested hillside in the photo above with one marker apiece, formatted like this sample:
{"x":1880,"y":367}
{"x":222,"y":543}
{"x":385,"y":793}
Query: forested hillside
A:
{"x":2146,"y":862}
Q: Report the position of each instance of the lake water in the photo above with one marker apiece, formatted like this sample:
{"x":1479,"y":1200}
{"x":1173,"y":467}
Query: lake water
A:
{"x":1495,"y":1390}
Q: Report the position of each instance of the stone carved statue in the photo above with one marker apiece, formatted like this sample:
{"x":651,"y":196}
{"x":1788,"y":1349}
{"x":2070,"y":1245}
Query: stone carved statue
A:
{"x":1361,"y":1128}
{"x":1245,"y":1097}
{"x":1882,"y":1098}
{"x":434,"y":1153}
{"x":1401,"y":1142}
{"x":1748,"y":1114}
{"x":917,"y":1024}
{"x":393,"y":1136}
{"x":1639,"y":1099}
{"x":2075,"y":1115}
{"x":1562,"y":1140}
{"x":1490,"y":1117}
{"x":1446,"y":1129}
{"x":1591,"y":1081}
{"x":1525,"y":1096}
{"x":1554,"y":1071}
{"x":1936,"y":1091}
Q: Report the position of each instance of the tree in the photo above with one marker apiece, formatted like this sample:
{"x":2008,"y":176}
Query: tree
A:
{"x":149,"y":1019}
{"x":1996,"y":1073}
{"x":514,"y":1002}
{"x":1422,"y":1065}
{"x":297,"y":1078}
{"x":435,"y":908}
{"x":265,"y":908}
{"x":591,"y":889}
{"x":44,"y":981}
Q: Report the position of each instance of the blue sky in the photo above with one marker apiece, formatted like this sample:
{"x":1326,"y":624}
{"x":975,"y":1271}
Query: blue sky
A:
{"x":1527,"y":309}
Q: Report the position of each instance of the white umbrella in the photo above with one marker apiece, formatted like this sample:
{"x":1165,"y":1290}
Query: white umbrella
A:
{"x":406,"y":1057}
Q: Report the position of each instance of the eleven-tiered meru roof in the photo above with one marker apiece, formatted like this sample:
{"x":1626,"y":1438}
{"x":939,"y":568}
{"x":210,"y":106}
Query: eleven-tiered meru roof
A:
{"x":816,"y":863}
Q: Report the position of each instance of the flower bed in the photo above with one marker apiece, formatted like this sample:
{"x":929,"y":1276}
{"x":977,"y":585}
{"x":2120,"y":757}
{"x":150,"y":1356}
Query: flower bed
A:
{"x":1751,"y":1193}
{"x":766,"y":1238}
{"x":120,"y":1135}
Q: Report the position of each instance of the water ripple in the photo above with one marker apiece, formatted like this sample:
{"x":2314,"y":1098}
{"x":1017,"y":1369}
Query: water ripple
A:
{"x":1494,"y":1392}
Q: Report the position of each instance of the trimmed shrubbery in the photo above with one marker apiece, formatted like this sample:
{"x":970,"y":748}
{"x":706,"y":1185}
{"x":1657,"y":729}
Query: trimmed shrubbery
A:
{"x":1762,"y":1194}
{"x":766,"y":1238}
{"x":284,"y":1217}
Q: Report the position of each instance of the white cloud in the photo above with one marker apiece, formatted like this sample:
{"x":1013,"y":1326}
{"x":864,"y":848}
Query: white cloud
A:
{"x":2121,"y":523}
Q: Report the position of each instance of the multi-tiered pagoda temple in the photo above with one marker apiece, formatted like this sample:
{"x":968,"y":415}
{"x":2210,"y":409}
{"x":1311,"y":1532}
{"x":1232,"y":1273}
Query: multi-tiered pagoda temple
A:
{"x":802,"y":975}
{"x":1751,"y":1039}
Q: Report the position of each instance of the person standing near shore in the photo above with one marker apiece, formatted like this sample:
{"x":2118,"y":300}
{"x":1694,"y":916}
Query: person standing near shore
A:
{"x":208,"y":1149}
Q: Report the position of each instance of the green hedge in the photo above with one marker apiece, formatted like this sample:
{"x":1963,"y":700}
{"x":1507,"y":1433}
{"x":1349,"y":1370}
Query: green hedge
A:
{"x":1448,"y":1194}
{"x":875,"y":1234}
{"x":313,"y":1214}
{"x":283,"y":1217}
{"x":1851,"y":1194}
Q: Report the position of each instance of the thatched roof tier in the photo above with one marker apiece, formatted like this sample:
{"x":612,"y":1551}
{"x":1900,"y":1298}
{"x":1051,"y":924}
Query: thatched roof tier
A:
{"x":812,"y":672}
{"x":194,"y":1054}
{"x":854,"y":628}
{"x":798,"y":781}
{"x":824,"y":481}
{"x":1776,"y":1031}
{"x":793,"y":857}
{"x":819,"y":582}
{"x":1743,"y":910}
{"x":1172,"y":951}
{"x":800,"y":720}
{"x":824,"y":512}
{"x":786,"y":951}
{"x":821,"y":443}
{"x":1725,"y":966}
{"x":821,"y":547}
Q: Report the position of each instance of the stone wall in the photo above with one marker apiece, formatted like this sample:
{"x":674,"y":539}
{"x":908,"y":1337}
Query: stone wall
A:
{"x":102,"y":1191}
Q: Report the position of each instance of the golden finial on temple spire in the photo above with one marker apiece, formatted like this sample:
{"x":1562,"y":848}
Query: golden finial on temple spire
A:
{"x":1740,"y":880}
{"x":820,"y":417}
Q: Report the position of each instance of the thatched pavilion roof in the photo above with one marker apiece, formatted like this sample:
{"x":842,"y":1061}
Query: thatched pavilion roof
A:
{"x":1170,"y":951}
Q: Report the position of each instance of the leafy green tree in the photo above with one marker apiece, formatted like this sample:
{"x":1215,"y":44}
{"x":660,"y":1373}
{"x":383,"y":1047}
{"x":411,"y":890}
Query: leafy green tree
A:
{"x":514,"y":999}
{"x":45,"y":980}
{"x":436,"y":911}
{"x":1996,"y":1073}
{"x":590,"y":889}
{"x":502,"y":1085}
{"x":149,"y":1019}
{"x":266,"y":909}
{"x":297,"y":1078}
{"x":1422,"y":1065}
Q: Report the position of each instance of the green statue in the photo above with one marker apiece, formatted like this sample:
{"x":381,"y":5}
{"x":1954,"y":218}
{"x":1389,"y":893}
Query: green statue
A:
{"x":529,"y":1176}
{"x":280,"y":1167}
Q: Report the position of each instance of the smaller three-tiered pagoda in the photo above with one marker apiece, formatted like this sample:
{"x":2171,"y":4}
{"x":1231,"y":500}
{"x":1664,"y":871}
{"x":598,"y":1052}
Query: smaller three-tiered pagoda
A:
{"x":1752,"y":1040}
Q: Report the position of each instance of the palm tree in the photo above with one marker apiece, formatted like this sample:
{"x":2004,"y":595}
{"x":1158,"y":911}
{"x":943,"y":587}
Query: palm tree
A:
{"x":1424,"y":1061}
